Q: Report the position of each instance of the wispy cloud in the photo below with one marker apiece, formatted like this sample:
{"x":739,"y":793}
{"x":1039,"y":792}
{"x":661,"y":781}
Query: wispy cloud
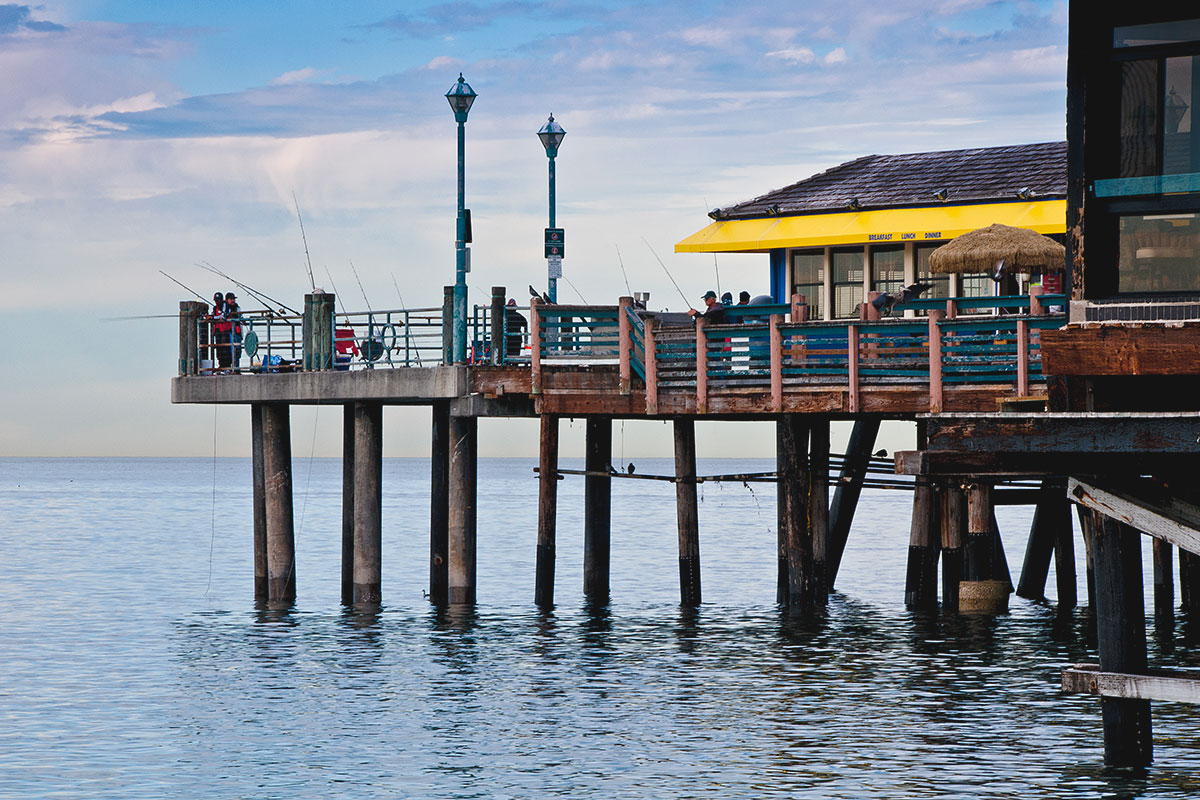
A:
{"x":16,"y":19}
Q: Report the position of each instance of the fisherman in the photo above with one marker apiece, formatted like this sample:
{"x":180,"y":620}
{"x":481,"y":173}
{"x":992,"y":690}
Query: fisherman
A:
{"x":218,"y":310}
{"x":743,"y":298}
{"x":514,"y":326}
{"x":232,"y":314}
{"x":727,"y":299}
{"x":714,"y":311}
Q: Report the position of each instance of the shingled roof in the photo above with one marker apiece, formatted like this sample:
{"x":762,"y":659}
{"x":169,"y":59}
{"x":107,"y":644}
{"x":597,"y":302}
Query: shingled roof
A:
{"x":982,"y":174}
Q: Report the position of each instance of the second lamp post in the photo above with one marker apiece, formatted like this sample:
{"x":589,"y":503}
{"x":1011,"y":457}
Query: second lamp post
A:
{"x":552,"y":135}
{"x":461,"y":96}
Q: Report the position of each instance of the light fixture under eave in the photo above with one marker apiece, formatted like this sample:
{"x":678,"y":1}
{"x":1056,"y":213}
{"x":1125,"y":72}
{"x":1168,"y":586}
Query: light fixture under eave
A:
{"x":941,"y":194}
{"x":1024,"y":193}
{"x":854,"y":204}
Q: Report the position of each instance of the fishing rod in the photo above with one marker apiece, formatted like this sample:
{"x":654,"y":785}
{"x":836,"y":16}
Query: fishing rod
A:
{"x":336,"y":293}
{"x":716,"y":269}
{"x":581,"y":297}
{"x":360,"y":286}
{"x":193,"y":291}
{"x":257,"y":295}
{"x":304,"y":239}
{"x":623,"y":274}
{"x":403,"y":307}
{"x":664,"y":266}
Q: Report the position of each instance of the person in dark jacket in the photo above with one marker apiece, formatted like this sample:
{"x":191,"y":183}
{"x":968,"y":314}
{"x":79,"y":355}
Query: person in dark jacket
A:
{"x":515,"y":326}
{"x":714,"y":311}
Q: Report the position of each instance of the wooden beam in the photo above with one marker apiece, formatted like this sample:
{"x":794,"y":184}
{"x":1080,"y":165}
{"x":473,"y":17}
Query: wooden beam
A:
{"x":1123,"y":350}
{"x":1087,"y":433}
{"x":1145,"y":505}
{"x":936,"y":399}
{"x":651,"y":366}
{"x":776,"y":346}
{"x":625,"y":343}
{"x":852,"y":369}
{"x":1166,"y":686}
{"x":849,"y":487}
{"x":701,"y":367}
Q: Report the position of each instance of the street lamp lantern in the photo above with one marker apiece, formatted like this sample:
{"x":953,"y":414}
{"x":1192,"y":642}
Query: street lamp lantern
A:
{"x":461,"y":96}
{"x":551,"y":135}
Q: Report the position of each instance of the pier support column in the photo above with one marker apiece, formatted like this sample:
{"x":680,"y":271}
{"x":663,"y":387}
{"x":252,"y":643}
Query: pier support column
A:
{"x":464,"y":434}
{"x":819,"y":507}
{"x":368,"y":502}
{"x":849,"y":487}
{"x":1121,"y":636}
{"x":1189,"y":582}
{"x":543,"y":587}
{"x":954,"y":530}
{"x":1067,"y":582}
{"x":981,"y":541}
{"x":439,"y":504}
{"x":1164,"y":589}
{"x":259,"y":478}
{"x":277,"y":469}
{"x":348,"y":504}
{"x":796,"y":541}
{"x":687,"y":512}
{"x":1035,"y":569}
{"x":1087,"y":527}
{"x":597,"y":509}
{"x":920,"y":589}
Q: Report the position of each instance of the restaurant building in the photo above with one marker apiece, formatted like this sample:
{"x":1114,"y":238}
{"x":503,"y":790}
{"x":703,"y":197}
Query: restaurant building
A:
{"x":871,"y":223}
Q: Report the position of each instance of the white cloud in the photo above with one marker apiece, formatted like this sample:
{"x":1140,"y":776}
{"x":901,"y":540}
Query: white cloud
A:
{"x":835,"y":56}
{"x":441,"y":62}
{"x":297,"y":76}
{"x":795,"y":55}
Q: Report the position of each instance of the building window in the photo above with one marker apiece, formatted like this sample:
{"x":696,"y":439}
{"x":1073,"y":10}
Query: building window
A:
{"x":941,"y":281}
{"x":847,"y":283}
{"x":887,"y":269}
{"x":808,"y":276}
{"x":978,"y":285}
{"x":1157,"y":101}
{"x":1158,"y":253}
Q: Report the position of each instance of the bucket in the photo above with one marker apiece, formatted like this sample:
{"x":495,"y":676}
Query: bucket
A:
{"x":983,"y":597}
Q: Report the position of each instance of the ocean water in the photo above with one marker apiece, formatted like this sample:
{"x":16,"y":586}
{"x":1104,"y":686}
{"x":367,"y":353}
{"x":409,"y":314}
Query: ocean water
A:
{"x":134,"y":664}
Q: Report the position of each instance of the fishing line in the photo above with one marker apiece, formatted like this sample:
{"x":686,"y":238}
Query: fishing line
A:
{"x":581,"y":297}
{"x":664,"y":266}
{"x":623,"y":275}
{"x":716,"y":269}
{"x":304,"y":239}
{"x":213,"y":540}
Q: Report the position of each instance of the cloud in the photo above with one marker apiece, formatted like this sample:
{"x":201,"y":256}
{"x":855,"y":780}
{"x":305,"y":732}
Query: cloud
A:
{"x":303,"y":75}
{"x":835,"y":56}
{"x":794,"y":55}
{"x":451,"y":18}
{"x":15,"y":18}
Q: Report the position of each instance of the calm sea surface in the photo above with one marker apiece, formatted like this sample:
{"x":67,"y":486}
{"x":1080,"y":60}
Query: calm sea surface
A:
{"x":133,"y":663}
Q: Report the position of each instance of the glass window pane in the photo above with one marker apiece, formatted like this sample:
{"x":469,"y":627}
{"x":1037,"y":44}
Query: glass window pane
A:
{"x":1179,"y":144}
{"x":887,"y":269}
{"x":978,"y":285}
{"x":808,"y":274}
{"x":1159,"y":253}
{"x":847,"y":283}
{"x":1186,"y":30}
{"x":1139,"y":119}
{"x":941,"y":281}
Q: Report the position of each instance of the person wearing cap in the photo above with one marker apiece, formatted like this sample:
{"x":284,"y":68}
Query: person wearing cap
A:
{"x":232,"y":312}
{"x":714,"y":311}
{"x":744,"y":298}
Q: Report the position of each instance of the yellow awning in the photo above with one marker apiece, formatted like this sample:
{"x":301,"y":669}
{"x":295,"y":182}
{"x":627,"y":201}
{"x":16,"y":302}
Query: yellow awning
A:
{"x":894,"y":225}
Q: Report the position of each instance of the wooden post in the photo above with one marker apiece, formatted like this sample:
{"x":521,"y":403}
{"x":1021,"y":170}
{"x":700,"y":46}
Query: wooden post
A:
{"x":1121,"y":636}
{"x":852,"y":365}
{"x":980,"y":543}
{"x":954,"y":527}
{"x":1042,"y":534}
{"x":624,"y":343}
{"x":651,"y":367}
{"x":701,"y":367}
{"x":348,"y":504}
{"x":439,"y":504}
{"x":281,"y":539}
{"x":776,"y":345}
{"x":543,"y":587}
{"x":1036,"y":309}
{"x":597,"y":509}
{"x":368,"y":502}
{"x":259,"y":479}
{"x":1189,"y":583}
{"x":798,"y":308}
{"x":190,"y":314}
{"x":951,"y":309}
{"x":849,"y":487}
{"x":1000,"y":570}
{"x":1164,"y":589}
{"x":499,"y":294}
{"x":818,"y":506}
{"x":1087,"y":520}
{"x":463,"y":457}
{"x":448,"y":325}
{"x":867,"y":311}
{"x":921,"y":589}
{"x":935,"y":361}
{"x":795,"y":535}
{"x":687,"y":512}
{"x":318,"y":331}
{"x":535,"y":345}
{"x":1022,"y":358}
{"x":1064,"y":558}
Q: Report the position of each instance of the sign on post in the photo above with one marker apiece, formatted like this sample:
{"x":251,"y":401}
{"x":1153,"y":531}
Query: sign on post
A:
{"x":554,"y":243}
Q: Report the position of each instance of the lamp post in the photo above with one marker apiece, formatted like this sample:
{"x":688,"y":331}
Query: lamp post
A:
{"x":461,"y":96}
{"x":552,"y":135}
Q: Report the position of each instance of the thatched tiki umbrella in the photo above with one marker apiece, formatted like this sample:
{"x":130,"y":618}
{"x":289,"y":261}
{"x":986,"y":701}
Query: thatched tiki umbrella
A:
{"x":998,"y":250}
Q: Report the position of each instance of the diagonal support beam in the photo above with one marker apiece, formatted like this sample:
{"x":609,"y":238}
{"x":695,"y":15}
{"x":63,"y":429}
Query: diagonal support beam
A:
{"x":1144,"y":505}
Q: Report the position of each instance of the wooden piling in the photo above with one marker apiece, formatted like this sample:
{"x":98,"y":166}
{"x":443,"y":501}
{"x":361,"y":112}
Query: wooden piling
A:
{"x":624,"y":345}
{"x":818,"y":506}
{"x":447,"y":325}
{"x":368,"y":502}
{"x":597,"y":509}
{"x":1189,"y":582}
{"x":259,"y":480}
{"x":795,"y":535}
{"x":687,"y":512}
{"x":849,"y":488}
{"x":439,"y":505}
{"x":1087,"y":519}
{"x":701,"y":366}
{"x":318,"y":331}
{"x":1121,"y":637}
{"x":190,"y":314}
{"x":543,"y":589}
{"x":980,"y":544}
{"x":920,"y":589}
{"x":1035,"y":569}
{"x":461,"y":550}
{"x":953,"y":528}
{"x":348,"y":504}
{"x":651,"y":366}
{"x":1000,"y":570}
{"x":499,"y":294}
{"x":1164,"y":588}
{"x":1065,"y":578}
{"x":936,"y":394}
{"x":277,"y":469}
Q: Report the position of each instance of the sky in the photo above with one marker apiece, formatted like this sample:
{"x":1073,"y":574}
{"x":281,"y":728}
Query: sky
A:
{"x":145,"y":136}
